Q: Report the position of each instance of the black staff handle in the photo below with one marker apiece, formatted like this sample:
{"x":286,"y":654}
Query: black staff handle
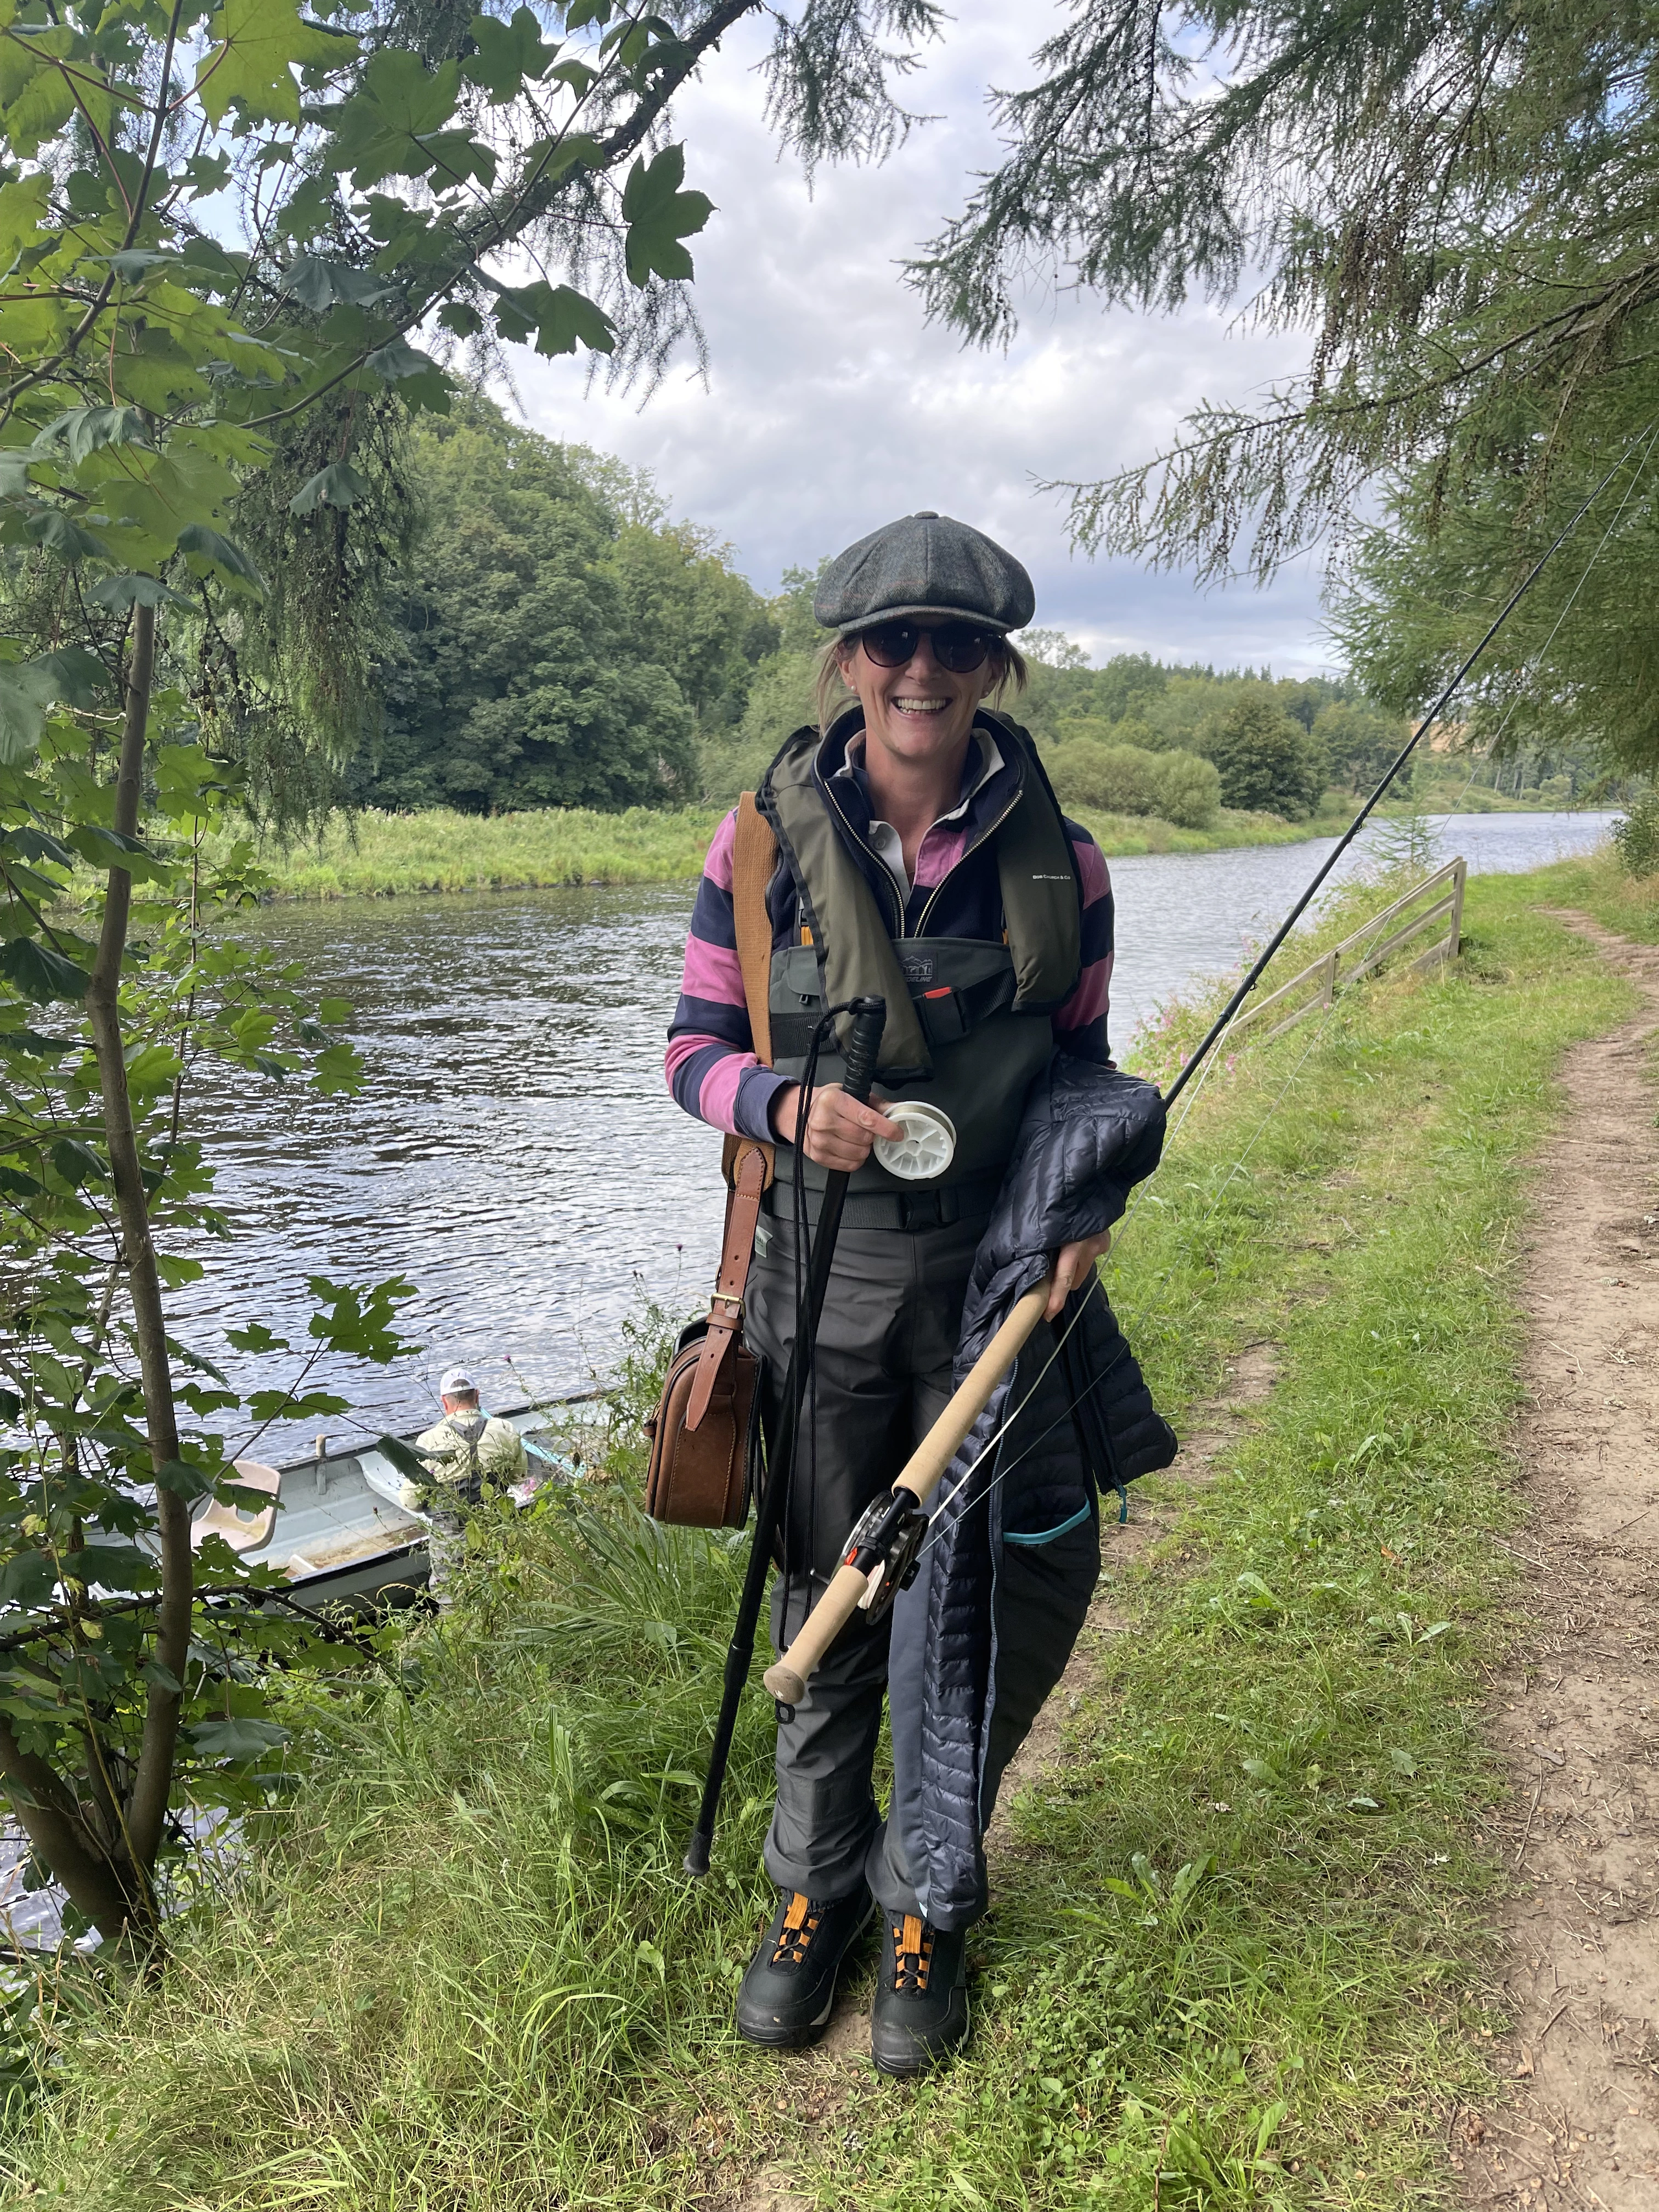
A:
{"x":863,"y":1043}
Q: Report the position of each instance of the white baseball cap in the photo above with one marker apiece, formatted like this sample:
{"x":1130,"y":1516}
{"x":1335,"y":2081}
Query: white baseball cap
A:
{"x":453,"y":1381}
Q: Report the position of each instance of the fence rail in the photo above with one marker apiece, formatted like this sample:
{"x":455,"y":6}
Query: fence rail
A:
{"x":1323,"y":976}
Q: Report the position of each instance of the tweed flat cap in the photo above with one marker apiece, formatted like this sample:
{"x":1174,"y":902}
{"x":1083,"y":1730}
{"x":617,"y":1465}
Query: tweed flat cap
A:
{"x":924,"y":564}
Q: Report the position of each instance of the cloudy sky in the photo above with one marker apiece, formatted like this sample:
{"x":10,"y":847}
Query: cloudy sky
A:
{"x":831,"y":405}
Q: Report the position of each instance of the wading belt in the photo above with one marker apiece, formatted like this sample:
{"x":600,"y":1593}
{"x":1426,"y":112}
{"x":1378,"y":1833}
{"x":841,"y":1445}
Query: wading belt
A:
{"x":748,"y":1165}
{"x":971,"y":1198}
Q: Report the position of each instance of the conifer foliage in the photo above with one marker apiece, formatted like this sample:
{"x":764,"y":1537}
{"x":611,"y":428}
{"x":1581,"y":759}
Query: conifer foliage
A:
{"x":1459,"y":201}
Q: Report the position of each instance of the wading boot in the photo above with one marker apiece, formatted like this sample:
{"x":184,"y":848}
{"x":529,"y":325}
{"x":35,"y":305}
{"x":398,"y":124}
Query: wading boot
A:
{"x":790,"y":1984}
{"x":921,"y":1995}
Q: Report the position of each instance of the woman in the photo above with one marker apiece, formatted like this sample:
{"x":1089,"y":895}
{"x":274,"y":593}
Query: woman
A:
{"x":922,"y":855}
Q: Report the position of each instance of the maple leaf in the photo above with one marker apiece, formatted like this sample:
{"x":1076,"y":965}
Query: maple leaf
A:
{"x":257,"y":44}
{"x":382,"y":129}
{"x":659,"y":216}
{"x":508,"y":55}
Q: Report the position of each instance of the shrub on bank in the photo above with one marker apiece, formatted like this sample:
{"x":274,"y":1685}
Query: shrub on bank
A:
{"x":1265,"y":758}
{"x":1177,"y":786}
{"x":1636,"y":839}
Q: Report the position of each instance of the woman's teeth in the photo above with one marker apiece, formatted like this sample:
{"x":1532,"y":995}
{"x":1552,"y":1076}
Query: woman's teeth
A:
{"x":922,"y":706}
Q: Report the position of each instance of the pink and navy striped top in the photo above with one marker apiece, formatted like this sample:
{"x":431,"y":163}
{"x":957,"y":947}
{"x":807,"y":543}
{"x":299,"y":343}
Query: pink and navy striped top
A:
{"x":711,"y":1065}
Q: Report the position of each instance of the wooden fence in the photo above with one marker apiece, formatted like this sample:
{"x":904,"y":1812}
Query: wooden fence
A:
{"x":1346,"y":962}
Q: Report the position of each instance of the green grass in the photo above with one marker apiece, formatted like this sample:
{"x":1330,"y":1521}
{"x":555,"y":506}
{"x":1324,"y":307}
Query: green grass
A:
{"x":377,"y":855}
{"x":1240,"y":1941}
{"x":374,"y":855}
{"x":1599,"y":885}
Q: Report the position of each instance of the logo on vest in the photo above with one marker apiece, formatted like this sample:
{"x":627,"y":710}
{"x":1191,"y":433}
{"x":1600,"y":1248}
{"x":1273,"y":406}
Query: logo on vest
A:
{"x":920,"y":967}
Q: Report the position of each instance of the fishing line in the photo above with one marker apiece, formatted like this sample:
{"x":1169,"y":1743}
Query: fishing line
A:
{"x":1630,"y":493}
{"x":1094,"y":1282}
{"x":1515,"y":704}
{"x":1224,"y":1020}
{"x":1230,"y":1013}
{"x":937,"y":1531}
{"x":1135,"y":1200}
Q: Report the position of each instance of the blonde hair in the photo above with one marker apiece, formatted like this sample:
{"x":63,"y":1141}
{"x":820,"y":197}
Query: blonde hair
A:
{"x":831,"y":683}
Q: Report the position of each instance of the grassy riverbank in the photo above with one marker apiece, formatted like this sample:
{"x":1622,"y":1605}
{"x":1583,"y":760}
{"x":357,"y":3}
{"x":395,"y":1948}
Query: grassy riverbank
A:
{"x":1599,"y":885}
{"x":1238,"y":1940}
{"x":385,"y":855}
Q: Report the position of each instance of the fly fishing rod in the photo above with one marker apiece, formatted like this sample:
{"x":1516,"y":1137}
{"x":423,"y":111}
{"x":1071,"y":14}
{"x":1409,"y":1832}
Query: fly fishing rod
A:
{"x":869,"y":1018}
{"x":1224,"y":1020}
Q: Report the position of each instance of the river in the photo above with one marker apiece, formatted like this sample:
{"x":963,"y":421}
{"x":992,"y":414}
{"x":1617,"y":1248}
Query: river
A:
{"x":513,"y":1150}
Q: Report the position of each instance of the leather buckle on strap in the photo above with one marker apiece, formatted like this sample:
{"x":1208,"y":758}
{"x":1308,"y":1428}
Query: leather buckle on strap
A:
{"x":750,"y":1172}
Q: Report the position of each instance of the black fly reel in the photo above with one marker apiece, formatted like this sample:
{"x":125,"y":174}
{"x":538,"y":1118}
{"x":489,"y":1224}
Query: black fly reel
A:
{"x":890,"y":1534}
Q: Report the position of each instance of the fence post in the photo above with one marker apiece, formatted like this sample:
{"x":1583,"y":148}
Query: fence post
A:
{"x":1455,"y":941}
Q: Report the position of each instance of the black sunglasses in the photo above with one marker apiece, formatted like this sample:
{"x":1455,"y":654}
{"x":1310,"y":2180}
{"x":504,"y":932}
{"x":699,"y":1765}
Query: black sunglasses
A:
{"x":957,"y":646}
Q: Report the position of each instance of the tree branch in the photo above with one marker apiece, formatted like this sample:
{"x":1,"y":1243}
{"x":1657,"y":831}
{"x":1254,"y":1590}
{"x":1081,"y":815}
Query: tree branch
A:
{"x":525,"y":205}
{"x":154,"y":1779}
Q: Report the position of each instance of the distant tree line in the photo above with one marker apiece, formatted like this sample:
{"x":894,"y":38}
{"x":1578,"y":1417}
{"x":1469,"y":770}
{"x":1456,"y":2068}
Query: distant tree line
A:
{"x":551,"y":638}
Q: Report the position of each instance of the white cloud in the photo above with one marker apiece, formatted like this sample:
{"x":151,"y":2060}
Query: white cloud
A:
{"x":832,"y":405}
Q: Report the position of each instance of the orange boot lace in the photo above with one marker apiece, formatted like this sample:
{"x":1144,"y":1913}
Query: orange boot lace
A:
{"x":800,"y":1926}
{"x":913,"y":1955}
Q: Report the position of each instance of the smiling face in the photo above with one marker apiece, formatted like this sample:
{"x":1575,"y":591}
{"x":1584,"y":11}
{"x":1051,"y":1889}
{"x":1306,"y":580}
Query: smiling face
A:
{"x":919,"y":714}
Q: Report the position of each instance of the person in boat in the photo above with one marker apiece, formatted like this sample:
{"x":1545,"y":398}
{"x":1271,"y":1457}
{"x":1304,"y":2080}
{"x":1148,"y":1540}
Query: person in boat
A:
{"x":469,"y":1453}
{"x":921,"y":853}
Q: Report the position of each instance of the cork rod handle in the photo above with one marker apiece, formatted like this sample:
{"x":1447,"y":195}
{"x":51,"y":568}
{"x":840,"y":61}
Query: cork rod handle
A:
{"x":786,"y":1678}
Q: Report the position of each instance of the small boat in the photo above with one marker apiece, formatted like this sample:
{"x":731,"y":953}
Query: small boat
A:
{"x":336,"y":1525}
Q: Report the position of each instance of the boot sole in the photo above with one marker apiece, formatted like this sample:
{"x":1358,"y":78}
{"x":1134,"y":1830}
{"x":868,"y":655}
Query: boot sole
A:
{"x":778,"y":2037}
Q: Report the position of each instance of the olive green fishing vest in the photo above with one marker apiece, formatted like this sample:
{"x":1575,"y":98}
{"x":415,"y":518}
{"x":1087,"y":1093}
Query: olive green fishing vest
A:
{"x":968,"y":1022}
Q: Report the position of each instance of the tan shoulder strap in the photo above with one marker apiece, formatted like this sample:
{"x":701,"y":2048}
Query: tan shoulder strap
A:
{"x":754,"y":862}
{"x":749,"y":1167}
{"x":749,"y":1172}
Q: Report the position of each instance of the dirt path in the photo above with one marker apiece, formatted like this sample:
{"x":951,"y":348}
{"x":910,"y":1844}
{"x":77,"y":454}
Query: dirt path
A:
{"x":1574,"y":1711}
{"x":827,"y":2077}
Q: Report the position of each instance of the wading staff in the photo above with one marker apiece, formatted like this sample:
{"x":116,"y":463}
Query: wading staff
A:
{"x":863,"y":1043}
{"x":883,"y":1549}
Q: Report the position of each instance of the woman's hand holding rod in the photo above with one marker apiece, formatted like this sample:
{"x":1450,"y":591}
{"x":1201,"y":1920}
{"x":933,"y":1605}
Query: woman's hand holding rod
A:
{"x":1073,"y":1265}
{"x":786,"y":1678}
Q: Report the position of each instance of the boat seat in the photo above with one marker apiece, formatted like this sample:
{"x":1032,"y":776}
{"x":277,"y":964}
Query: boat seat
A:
{"x":242,"y":1529}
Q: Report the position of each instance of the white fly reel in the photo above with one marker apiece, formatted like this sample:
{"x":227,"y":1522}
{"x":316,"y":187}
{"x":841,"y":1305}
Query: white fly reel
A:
{"x":928,"y":1147}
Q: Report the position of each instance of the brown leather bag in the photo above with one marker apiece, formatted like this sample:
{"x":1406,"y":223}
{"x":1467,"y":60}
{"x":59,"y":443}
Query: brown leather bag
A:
{"x":704,"y":1430}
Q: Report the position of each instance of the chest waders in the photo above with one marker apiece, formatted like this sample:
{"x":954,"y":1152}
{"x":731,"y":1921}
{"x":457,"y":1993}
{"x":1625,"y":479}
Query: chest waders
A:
{"x":962,"y":1023}
{"x":969,"y":1021}
{"x":467,"y":1487}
